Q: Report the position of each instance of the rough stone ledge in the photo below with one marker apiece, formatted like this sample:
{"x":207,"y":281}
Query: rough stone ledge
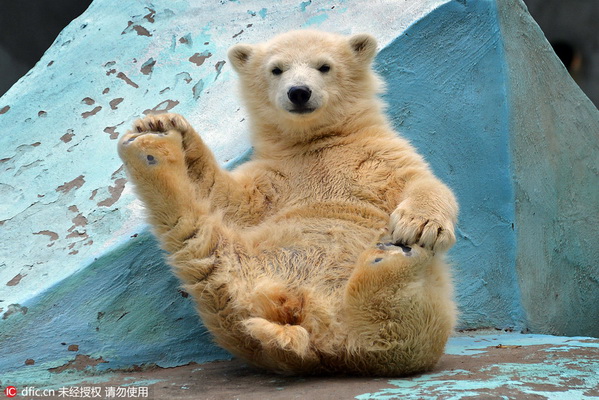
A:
{"x":477,"y":365}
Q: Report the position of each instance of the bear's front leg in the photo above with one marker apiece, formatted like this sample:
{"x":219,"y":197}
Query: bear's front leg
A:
{"x":426,"y":216}
{"x":243,"y":199}
{"x":154,"y":158}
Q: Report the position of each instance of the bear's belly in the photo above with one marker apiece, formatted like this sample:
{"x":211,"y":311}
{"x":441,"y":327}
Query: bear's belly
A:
{"x":317,"y":244}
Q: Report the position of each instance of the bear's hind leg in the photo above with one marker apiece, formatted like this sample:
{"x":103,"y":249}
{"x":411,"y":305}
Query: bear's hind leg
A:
{"x":398,"y":310}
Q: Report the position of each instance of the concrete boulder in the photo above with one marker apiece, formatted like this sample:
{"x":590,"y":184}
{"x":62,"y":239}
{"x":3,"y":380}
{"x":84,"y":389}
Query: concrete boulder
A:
{"x":473,"y":84}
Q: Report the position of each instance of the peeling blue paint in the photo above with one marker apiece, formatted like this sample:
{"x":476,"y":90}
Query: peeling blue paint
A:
{"x":197,"y":89}
{"x":143,"y":382}
{"x":316,"y":20}
{"x":305,"y":4}
{"x":262,"y":13}
{"x":559,"y":373}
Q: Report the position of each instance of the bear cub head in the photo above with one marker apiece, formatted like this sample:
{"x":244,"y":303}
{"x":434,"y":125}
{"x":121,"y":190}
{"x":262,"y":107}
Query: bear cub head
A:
{"x":306,"y":80}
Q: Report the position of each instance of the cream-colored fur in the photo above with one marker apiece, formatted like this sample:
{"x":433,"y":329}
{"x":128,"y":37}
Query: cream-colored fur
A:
{"x":295,"y":259}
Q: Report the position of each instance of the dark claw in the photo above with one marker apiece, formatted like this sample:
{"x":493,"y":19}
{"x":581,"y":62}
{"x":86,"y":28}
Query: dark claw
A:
{"x":385,"y":246}
{"x":406,"y":249}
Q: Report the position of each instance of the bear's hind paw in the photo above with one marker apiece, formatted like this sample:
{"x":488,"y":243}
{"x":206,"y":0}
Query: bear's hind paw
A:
{"x":292,"y":338}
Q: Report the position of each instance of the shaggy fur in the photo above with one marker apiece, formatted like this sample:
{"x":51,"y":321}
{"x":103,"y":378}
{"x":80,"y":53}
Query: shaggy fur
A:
{"x":325,"y":253}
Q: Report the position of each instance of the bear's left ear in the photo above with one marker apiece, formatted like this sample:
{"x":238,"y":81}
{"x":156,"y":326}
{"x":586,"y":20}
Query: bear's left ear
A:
{"x":239,"y":55}
{"x":364,"y":46}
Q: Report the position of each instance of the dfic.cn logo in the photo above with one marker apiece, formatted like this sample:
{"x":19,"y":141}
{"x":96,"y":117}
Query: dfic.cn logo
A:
{"x":10,"y":391}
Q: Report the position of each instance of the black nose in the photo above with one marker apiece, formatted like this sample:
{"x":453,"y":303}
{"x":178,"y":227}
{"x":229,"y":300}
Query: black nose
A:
{"x":299,"y":95}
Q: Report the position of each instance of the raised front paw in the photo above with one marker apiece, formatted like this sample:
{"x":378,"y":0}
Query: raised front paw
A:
{"x":432,"y":230}
{"x":155,"y":142}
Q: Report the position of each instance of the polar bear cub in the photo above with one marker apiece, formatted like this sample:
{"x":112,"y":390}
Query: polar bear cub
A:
{"x":325,"y":252}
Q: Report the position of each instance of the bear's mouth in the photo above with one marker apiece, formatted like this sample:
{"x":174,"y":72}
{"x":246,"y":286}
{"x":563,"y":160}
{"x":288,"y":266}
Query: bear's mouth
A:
{"x":302,"y":110}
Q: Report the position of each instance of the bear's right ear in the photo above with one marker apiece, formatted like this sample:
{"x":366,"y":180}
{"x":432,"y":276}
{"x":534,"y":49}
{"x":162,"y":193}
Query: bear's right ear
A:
{"x":239,"y":55}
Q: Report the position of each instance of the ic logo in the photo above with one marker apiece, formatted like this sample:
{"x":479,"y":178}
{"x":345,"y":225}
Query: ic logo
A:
{"x":10,"y":391}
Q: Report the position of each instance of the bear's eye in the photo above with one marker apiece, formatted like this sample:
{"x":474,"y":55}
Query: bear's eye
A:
{"x":324,"y":68}
{"x":277,"y":71}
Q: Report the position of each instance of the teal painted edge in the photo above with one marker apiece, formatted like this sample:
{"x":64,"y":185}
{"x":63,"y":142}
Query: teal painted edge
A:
{"x":446,"y":83}
{"x":100,"y":303}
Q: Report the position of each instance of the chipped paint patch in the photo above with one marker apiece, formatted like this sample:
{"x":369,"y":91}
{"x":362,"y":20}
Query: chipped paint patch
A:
{"x":14,"y":309}
{"x":148,"y":66}
{"x":199,"y":58}
{"x":88,"y":114}
{"x":76,"y":183}
{"x":128,"y":81}
{"x":16,"y":280}
{"x":52,"y":235}
{"x":111,"y":130}
{"x":79,"y":363}
{"x":67,"y":137}
{"x":115,"y":193}
{"x":114,"y":103}
{"x":163,"y":107}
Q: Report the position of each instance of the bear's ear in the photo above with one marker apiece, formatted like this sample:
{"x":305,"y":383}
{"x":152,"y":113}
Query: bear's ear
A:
{"x":364,"y":46}
{"x":239,"y":56}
